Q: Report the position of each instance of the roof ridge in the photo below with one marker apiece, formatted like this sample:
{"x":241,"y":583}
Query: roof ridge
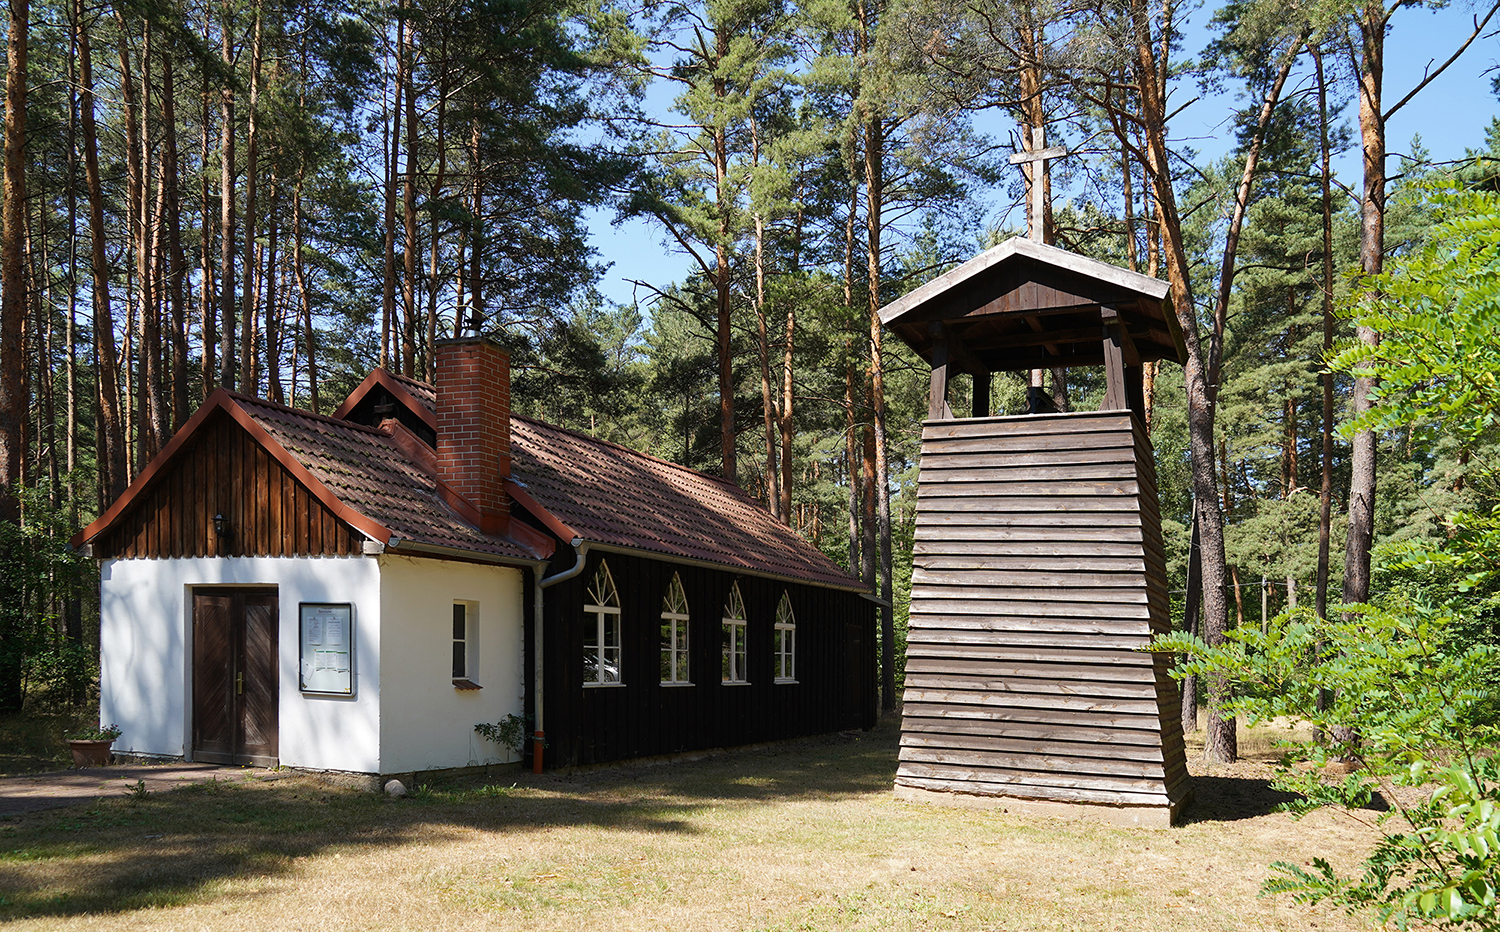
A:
{"x":399,"y":377}
{"x":733,"y":486}
{"x":278,"y":406}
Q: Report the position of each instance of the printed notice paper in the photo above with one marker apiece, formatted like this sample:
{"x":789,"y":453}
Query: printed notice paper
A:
{"x":327,"y":635}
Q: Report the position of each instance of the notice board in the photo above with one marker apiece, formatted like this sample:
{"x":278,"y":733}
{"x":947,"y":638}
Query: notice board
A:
{"x":326,"y":633}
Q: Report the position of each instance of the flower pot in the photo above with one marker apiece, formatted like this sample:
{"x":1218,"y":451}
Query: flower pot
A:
{"x":89,"y":753}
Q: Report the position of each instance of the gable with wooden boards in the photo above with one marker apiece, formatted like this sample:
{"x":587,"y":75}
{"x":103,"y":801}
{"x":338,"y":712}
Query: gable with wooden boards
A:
{"x":1038,"y":569}
{"x":356,"y":592}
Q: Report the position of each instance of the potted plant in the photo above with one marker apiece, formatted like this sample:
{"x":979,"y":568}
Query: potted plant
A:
{"x":90,"y":746}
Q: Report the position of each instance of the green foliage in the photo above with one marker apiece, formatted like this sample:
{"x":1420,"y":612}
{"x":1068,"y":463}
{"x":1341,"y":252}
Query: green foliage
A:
{"x":1438,"y":362}
{"x":1392,"y":689}
{"x":511,"y":732}
{"x":44,"y":650}
{"x":96,"y":733}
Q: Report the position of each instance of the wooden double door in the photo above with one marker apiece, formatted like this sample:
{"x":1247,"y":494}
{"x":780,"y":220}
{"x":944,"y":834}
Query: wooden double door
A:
{"x":235,"y":681}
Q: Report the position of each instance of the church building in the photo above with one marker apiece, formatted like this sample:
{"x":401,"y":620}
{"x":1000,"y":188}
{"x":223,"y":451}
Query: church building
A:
{"x":356,"y":592}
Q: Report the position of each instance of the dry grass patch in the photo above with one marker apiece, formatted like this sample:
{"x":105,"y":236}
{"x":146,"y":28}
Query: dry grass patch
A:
{"x":805,"y":837}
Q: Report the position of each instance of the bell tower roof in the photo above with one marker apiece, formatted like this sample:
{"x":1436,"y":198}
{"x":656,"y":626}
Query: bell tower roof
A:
{"x":1026,"y":305}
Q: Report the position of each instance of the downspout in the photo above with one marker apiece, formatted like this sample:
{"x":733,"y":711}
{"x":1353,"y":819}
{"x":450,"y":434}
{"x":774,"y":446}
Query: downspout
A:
{"x":538,"y":738}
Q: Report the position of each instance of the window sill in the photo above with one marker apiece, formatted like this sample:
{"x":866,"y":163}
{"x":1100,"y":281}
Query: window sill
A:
{"x":465,"y":684}
{"x":786,"y":681}
{"x":603,"y":685}
{"x":670,"y":683}
{"x":734,"y":682}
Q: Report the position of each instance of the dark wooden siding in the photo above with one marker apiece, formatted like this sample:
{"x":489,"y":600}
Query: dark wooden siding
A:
{"x":224,"y":471}
{"x":835,"y":686}
{"x":1038,"y":572}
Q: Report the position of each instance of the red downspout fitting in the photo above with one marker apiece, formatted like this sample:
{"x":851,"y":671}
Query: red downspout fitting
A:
{"x":538,"y":742}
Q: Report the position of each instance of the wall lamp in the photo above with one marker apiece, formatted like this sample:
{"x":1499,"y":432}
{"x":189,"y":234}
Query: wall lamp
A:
{"x":221,"y":525}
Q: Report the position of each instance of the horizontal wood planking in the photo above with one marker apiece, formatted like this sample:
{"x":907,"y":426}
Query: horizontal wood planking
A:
{"x":1092,"y":694}
{"x":1091,"y":673}
{"x":1082,"y":769}
{"x":1110,"y":627}
{"x":1019,"y":777}
{"x":945,"y":455}
{"x":1121,"y":726}
{"x":977,"y":783}
{"x":1129,"y":741}
{"x":1121,"y":467}
{"x":953,"y":571}
{"x":1040,"y":600}
{"x":1138,"y":753}
{"x":1039,"y":535}
{"x":1090,"y":647}
{"x":1011,"y":548}
{"x":1051,"y":703}
{"x":978,"y":659}
{"x":1045,"y":425}
{"x":1038,"y":576}
{"x":1040,"y":504}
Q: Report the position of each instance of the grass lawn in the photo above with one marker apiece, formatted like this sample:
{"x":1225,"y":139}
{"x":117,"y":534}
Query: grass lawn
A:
{"x":802,"y":837}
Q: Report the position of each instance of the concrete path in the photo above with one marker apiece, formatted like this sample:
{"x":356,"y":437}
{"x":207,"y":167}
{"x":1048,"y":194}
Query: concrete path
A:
{"x":37,"y":791}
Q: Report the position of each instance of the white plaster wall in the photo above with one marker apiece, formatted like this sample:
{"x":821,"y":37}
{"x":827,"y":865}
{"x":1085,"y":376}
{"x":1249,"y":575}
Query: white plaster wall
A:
{"x":145,"y":643}
{"x":425,"y":722}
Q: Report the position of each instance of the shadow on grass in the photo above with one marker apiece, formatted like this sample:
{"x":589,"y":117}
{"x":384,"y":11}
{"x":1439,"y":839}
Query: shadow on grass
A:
{"x":1229,"y":799}
{"x":825,"y":767}
{"x":177,"y":847}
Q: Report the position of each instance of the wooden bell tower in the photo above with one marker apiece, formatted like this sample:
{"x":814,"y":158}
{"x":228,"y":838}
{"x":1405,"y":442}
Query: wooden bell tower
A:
{"x":1038,"y":568}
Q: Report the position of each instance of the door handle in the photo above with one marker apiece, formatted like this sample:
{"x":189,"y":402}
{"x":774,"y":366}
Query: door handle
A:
{"x":239,"y":684}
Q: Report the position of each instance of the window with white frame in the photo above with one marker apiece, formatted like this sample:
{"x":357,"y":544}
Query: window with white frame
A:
{"x":674,"y":635}
{"x":732,"y":638}
{"x":786,"y":642}
{"x":601,"y":631}
{"x":465,"y":645}
{"x":460,"y":640}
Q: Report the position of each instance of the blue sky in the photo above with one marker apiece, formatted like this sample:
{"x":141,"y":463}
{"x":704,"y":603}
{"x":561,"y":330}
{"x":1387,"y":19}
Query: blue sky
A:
{"x":1450,"y":115}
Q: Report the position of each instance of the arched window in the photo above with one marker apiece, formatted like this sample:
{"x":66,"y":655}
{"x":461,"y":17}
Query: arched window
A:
{"x":786,"y":641}
{"x":601,"y":631}
{"x":732,"y":638}
{"x":674,"y":635}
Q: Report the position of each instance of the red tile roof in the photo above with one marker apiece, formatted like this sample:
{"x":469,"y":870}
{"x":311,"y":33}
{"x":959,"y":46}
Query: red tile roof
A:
{"x":367,"y":471}
{"x":601,"y":492}
{"x":612,"y":495}
{"x":421,"y":391}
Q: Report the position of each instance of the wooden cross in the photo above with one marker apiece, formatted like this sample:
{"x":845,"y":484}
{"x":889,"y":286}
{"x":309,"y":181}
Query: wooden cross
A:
{"x":1038,"y":157}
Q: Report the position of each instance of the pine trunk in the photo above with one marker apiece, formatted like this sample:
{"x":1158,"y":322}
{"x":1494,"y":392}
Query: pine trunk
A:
{"x":1219,"y":743}
{"x":874,"y":205}
{"x":176,"y":276}
{"x":1372,"y":262}
{"x":409,"y":216}
{"x":249,"y":301}
{"x":13,"y":291}
{"x":227,"y":370}
{"x":1325,"y":488}
{"x":113,"y":469}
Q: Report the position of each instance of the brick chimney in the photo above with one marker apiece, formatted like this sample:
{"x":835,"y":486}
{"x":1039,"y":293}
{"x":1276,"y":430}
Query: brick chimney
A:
{"x":473,"y":427}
